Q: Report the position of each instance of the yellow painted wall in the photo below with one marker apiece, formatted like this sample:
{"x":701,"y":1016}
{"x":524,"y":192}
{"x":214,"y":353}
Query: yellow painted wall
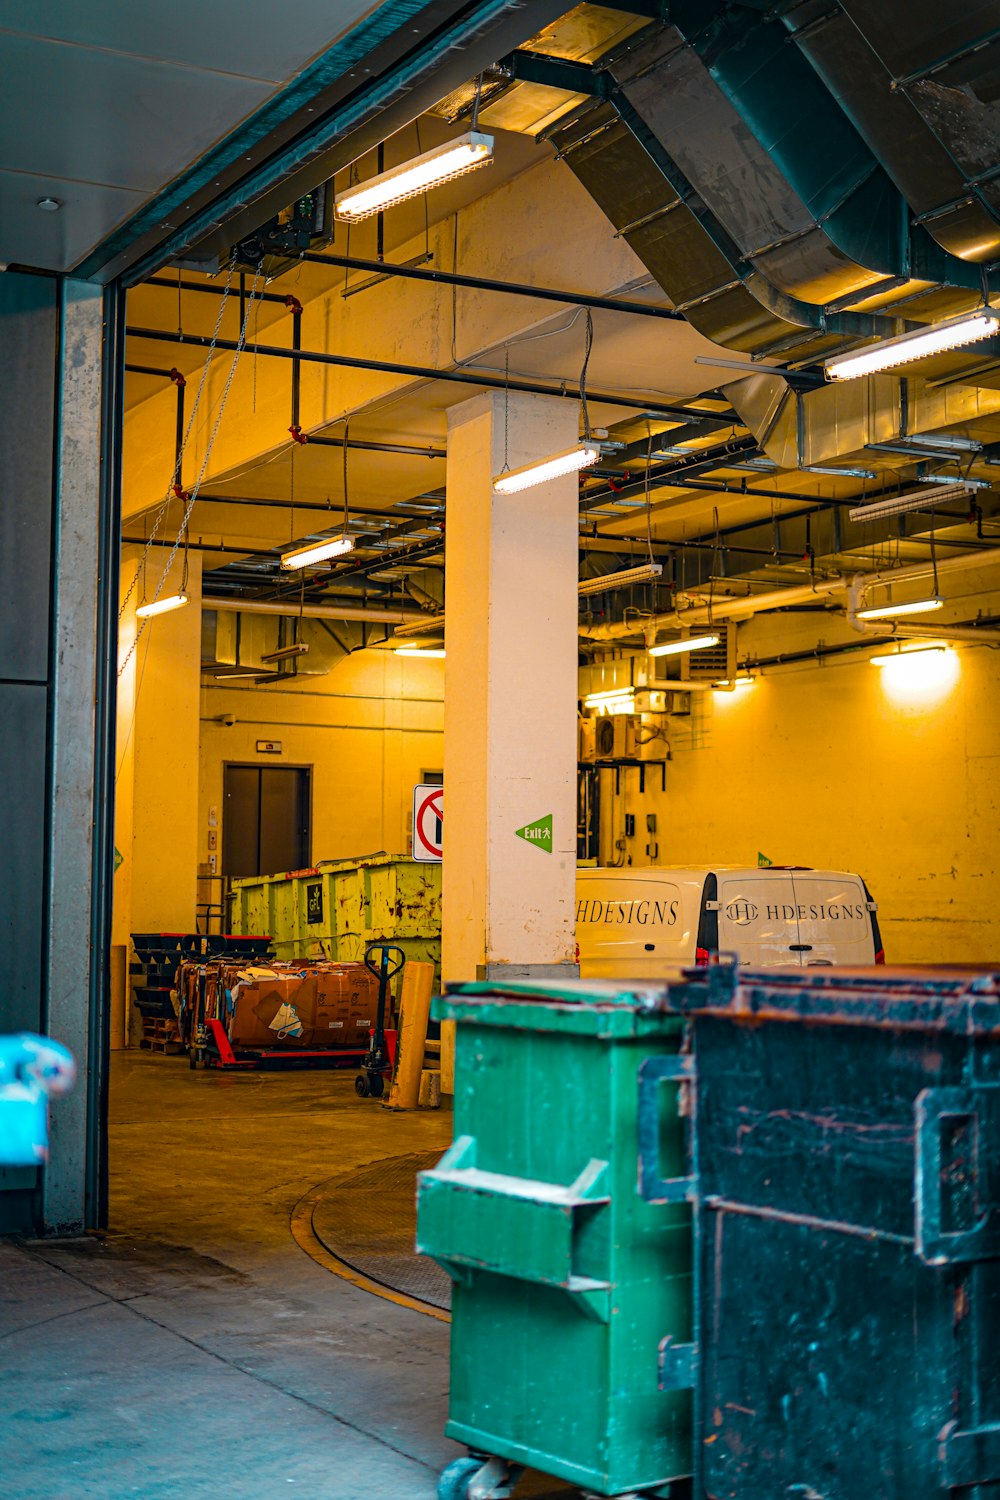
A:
{"x":896,"y":776}
{"x":156,"y":807}
{"x":368,"y":728}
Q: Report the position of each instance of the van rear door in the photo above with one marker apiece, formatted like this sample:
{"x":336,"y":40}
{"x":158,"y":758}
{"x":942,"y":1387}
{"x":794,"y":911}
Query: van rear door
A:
{"x":632,"y":923}
{"x":835,"y":923}
{"x":758,"y":917}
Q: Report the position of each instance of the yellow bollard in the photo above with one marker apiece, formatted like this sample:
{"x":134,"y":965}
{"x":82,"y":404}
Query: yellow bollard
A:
{"x":411,"y":1039}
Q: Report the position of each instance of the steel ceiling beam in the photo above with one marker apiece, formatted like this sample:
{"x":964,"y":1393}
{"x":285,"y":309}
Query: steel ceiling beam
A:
{"x":422,"y":372}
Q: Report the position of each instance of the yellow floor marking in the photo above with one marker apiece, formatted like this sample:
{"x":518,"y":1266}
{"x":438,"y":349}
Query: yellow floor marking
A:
{"x":307,"y":1239}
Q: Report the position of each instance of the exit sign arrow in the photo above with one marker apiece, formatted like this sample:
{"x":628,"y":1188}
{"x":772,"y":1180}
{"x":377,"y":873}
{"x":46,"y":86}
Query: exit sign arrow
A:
{"x":538,"y":833}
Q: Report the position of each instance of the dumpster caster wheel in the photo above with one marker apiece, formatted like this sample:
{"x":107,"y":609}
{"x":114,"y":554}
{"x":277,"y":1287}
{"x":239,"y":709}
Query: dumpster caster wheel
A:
{"x":362,"y":1088}
{"x":454,"y":1482}
{"x":376,"y":1085}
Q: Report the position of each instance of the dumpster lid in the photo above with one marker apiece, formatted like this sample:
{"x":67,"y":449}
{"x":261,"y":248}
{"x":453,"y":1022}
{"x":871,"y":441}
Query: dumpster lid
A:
{"x":569,"y":991}
{"x":957,"y":999}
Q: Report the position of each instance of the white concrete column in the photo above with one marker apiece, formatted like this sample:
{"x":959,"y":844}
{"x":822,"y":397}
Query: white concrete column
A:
{"x":510,"y":696}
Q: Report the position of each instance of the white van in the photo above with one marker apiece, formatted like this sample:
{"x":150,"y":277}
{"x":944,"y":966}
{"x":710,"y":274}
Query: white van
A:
{"x":644,"y":922}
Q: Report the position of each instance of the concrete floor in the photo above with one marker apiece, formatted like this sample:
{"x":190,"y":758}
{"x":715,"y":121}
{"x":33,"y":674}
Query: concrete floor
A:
{"x":196,"y":1350}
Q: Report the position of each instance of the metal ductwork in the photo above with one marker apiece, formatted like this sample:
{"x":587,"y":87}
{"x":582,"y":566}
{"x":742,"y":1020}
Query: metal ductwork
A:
{"x":838,"y":423}
{"x":735,"y":170}
{"x":923,"y":88}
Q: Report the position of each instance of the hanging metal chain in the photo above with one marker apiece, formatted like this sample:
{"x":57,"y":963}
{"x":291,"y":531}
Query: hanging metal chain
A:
{"x":170,"y":495}
{"x":192,"y":498}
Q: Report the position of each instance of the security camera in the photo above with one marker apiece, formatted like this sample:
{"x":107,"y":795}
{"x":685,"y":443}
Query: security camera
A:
{"x":228,"y":719}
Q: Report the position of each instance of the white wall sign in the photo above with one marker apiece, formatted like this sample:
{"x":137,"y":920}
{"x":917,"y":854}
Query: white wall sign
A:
{"x":428,"y":815}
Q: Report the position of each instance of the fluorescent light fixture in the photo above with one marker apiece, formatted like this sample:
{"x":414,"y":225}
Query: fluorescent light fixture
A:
{"x":528,"y":475}
{"x":317,"y":552}
{"x":285,"y":653}
{"x":970,"y":484}
{"x":415,"y":176}
{"x":885,"y":659}
{"x":429,"y":651}
{"x":693,"y":643}
{"x":646,"y":573}
{"x":898,"y":505}
{"x":849,"y":473}
{"x":614,"y":701}
{"x":937,"y":338}
{"x":162,"y":606}
{"x":728,"y":685}
{"x":943,"y":440}
{"x":889,"y":611}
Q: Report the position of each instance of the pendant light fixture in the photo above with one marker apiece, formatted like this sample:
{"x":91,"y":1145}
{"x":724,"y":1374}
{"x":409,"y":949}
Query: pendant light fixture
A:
{"x":678,"y":648}
{"x":162,"y":606}
{"x":554,"y":465}
{"x":921,"y":499}
{"x":317,"y":552}
{"x":890,"y":611}
{"x":936,"y":338}
{"x":418,"y":175}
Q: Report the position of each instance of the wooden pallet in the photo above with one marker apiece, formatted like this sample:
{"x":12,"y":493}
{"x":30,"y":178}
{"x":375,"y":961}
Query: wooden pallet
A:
{"x":161,"y":1035}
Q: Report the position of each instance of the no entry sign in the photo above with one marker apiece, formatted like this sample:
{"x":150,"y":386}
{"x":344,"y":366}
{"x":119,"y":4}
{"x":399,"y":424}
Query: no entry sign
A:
{"x":428,"y":813}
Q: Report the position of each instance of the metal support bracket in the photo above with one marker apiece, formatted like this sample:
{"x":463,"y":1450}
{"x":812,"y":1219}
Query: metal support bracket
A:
{"x":652,"y":1073}
{"x":957,"y":1186}
{"x":677,"y":1365}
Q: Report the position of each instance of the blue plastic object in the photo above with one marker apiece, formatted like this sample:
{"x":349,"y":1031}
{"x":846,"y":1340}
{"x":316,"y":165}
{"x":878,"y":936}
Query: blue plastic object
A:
{"x":31,"y":1068}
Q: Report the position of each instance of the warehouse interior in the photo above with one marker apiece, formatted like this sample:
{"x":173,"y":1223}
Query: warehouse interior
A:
{"x":749,"y":621}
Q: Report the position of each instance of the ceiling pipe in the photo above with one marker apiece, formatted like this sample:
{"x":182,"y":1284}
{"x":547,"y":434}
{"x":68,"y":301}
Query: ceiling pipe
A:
{"x":485,"y":284}
{"x":754,"y":604}
{"x":310,"y":611}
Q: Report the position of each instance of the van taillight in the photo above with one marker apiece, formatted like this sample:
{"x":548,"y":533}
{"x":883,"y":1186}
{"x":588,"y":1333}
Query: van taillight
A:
{"x":577,"y":953}
{"x":701,"y":957}
{"x":880,"y":956}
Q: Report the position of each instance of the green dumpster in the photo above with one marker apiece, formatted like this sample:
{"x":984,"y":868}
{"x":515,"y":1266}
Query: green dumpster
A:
{"x":565,"y":1281}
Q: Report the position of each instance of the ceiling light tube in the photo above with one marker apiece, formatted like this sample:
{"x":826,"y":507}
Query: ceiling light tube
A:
{"x":693,"y":643}
{"x":317,"y":552}
{"x":885,"y":658}
{"x":284,"y":653}
{"x":897,"y":505}
{"x":889,"y":611}
{"x":729,"y":685}
{"x":428,"y":651}
{"x":415,"y":176}
{"x":511,"y":481}
{"x":161,"y":606}
{"x":646,"y":573}
{"x":937,"y":338}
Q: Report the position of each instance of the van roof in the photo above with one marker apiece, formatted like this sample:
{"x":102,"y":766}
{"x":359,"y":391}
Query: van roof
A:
{"x":698,"y":872}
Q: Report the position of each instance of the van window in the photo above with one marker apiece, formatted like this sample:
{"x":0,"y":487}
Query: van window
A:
{"x":835,"y":925}
{"x":757,"y":918}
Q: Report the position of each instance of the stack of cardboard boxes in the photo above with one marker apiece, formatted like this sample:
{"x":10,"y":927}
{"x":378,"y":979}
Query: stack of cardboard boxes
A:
{"x":286,"y":1005}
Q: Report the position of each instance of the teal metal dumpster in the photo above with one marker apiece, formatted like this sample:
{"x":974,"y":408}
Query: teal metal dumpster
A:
{"x":847,"y":1137}
{"x":565,"y":1281}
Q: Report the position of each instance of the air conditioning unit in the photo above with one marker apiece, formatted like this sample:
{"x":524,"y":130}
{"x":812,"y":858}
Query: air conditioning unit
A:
{"x":587,"y":740}
{"x":604,"y":737}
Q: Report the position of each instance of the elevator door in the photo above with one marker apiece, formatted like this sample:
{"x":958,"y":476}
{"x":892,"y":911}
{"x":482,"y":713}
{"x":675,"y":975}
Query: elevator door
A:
{"x":265,"y":820}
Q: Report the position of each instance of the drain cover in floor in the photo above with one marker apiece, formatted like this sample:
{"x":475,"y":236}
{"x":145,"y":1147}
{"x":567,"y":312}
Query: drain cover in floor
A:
{"x":368,"y":1219}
